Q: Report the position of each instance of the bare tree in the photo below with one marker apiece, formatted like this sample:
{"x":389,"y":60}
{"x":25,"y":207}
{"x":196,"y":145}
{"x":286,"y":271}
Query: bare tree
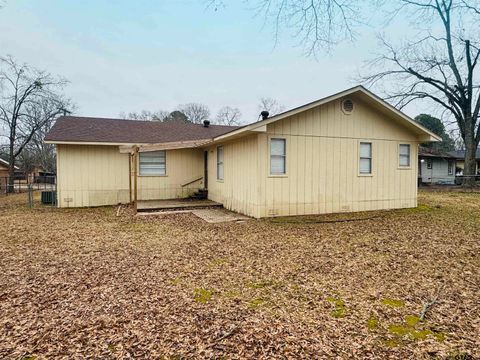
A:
{"x":440,"y":66}
{"x":192,"y":112}
{"x":270,"y":105}
{"x":146,"y":115}
{"x":29,"y":99}
{"x":160,"y":115}
{"x":37,"y":152}
{"x":195,"y":112}
{"x":228,"y":115}
{"x":316,"y":24}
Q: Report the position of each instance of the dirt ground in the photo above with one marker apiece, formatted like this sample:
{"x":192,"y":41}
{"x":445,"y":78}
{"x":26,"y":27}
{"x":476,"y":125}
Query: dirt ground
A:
{"x":84,"y":283}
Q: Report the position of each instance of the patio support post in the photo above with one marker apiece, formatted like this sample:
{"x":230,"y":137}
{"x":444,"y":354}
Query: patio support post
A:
{"x":130,"y":177}
{"x":135,"y":178}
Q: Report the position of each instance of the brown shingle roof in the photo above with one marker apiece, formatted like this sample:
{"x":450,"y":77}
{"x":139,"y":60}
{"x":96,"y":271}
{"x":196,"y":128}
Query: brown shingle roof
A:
{"x":428,"y":152}
{"x":460,"y":154}
{"x":87,"y":129}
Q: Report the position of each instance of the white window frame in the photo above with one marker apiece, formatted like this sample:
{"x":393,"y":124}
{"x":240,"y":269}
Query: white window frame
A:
{"x":409,"y":166}
{"x":164,"y":173}
{"x":220,"y":163}
{"x":272,"y":139}
{"x":360,"y":173}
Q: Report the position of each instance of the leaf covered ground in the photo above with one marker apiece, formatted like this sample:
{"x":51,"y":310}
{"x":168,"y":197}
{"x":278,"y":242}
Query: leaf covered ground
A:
{"x":78,"y":283}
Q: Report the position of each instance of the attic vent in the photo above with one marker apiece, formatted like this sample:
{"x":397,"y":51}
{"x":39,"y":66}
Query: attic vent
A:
{"x":347,"y":106}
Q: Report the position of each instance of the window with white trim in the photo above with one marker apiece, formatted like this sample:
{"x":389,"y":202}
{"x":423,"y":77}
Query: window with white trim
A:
{"x":429,"y":164}
{"x":219,"y":162}
{"x":404,"y":155}
{"x":152,"y":163}
{"x":278,"y":156}
{"x":365,"y":164}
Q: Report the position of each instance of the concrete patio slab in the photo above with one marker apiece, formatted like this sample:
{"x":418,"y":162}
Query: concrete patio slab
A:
{"x":219,"y":215}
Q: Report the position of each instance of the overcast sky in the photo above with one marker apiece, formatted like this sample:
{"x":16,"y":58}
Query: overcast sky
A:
{"x":122,"y":56}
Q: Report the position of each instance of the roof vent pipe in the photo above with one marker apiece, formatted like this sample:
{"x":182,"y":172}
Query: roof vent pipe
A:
{"x":264,"y":115}
{"x":206,"y":123}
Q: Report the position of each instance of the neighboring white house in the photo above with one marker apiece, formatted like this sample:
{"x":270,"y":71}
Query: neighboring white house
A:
{"x":436,"y":167}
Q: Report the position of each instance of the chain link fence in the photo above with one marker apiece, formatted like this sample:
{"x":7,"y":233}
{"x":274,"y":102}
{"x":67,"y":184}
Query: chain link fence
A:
{"x":45,"y":185}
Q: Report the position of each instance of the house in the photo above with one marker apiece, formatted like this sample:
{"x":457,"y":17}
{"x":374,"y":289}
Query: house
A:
{"x":347,"y":152}
{"x":38,"y":174}
{"x":436,"y":167}
{"x":460,"y":156}
{"x":3,"y":168}
{"x":35,"y":171}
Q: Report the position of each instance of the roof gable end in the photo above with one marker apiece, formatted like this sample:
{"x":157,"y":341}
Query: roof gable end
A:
{"x":421,"y":132}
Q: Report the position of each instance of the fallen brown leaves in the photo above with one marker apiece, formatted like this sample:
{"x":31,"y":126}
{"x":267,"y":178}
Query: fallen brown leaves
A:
{"x":80,"y":283}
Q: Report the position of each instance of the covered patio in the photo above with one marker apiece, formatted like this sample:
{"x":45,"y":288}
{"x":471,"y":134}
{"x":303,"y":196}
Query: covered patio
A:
{"x":184,"y":190}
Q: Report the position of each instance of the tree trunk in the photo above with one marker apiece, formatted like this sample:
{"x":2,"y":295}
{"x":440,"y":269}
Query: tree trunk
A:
{"x":469,"y":169}
{"x":11,"y":179}
{"x":11,"y":171}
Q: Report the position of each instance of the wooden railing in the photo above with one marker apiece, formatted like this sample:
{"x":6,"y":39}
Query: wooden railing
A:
{"x":192,"y":181}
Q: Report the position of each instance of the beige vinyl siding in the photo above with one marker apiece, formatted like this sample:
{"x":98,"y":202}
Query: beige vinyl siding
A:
{"x":323,"y":147}
{"x":91,"y":176}
{"x":182,"y":166}
{"x":322,"y":165}
{"x":329,"y":182}
{"x":98,"y":175}
{"x":238,"y":191}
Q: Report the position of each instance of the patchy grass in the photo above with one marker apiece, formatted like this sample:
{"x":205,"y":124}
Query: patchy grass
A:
{"x":340,"y":308}
{"x":202,"y":296}
{"x":260,"y":284}
{"x":412,"y":320}
{"x":84,"y":283}
{"x":372,"y":323}
{"x":254,"y":303}
{"x":393,"y":303}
